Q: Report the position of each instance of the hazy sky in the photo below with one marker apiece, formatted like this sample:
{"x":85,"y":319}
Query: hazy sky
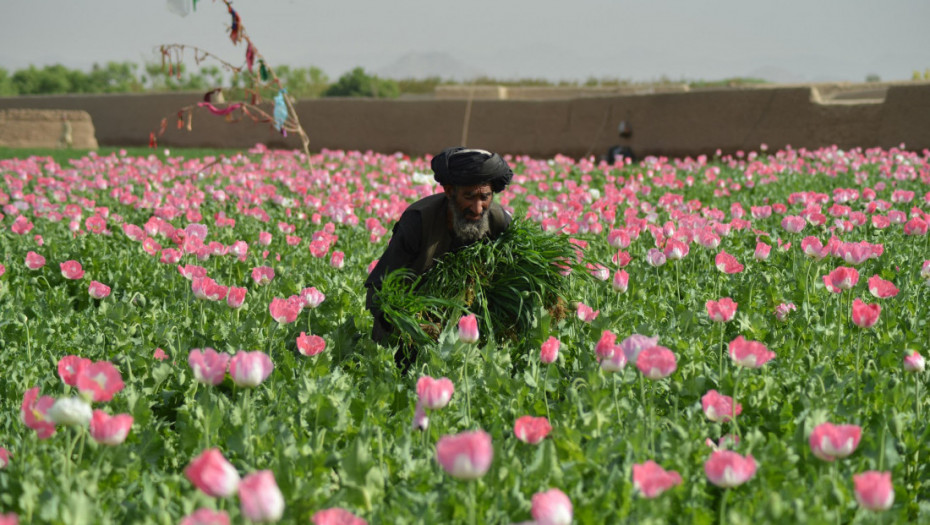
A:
{"x":784,"y":40}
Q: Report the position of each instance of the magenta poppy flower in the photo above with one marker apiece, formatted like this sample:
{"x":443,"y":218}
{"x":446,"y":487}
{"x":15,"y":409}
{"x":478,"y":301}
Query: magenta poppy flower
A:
{"x":586,"y":313}
{"x":71,"y":270}
{"x":749,"y":354}
{"x":34,"y":413}
{"x":914,"y":362}
{"x":337,"y":260}
{"x":250,"y":369}
{"x":655,"y":257}
{"x":468,"y":329}
{"x":192,"y":271}
{"x":842,"y":278}
{"x":549,"y":351}
{"x":718,"y":407}
{"x":21,"y":225}
{"x":208,"y":366}
{"x":881,"y":288}
{"x":312,"y":297}
{"x":651,"y":480}
{"x":636,"y":343}
{"x":262,"y":275}
{"x":813,"y":248}
{"x":235,"y":296}
{"x":109,"y":430}
{"x":726,"y":263}
{"x":675,"y":250}
{"x":467,"y":455}
{"x":434,"y":394}
{"x":829,"y":441}
{"x":100,"y":380}
{"x":212,"y":474}
{"x":728,"y":469}
{"x":721,"y":311}
{"x":336,"y":516}
{"x":606,"y":345}
{"x":551,"y":507}
{"x":865,"y":315}
{"x":793,"y":224}
{"x":310,"y":345}
{"x":69,"y":366}
{"x":783,"y":309}
{"x":656,"y":362}
{"x":206,"y":517}
{"x":284,"y":311}
{"x":160,"y":354}
{"x":915,"y":226}
{"x":874,"y":490}
{"x":98,"y":290}
{"x":260,"y":499}
{"x":532,"y":430}
{"x":762,"y":251}
{"x":621,"y":281}
{"x":4,"y":458}
{"x":34,"y":261}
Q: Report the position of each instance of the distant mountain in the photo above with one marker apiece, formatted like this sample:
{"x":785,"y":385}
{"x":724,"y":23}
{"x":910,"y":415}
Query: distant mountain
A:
{"x":429,"y":64}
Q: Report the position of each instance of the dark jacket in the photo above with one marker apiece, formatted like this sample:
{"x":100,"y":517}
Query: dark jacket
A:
{"x":420,"y":237}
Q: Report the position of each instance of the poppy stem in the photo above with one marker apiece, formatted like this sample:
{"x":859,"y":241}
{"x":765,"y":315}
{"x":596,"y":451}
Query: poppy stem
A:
{"x":720,"y":359}
{"x":472,"y":503}
{"x":546,"y":393}
{"x":465,"y":380}
{"x":616,"y":402}
{"x":735,"y":393}
{"x":723,"y":507}
{"x":858,"y":378}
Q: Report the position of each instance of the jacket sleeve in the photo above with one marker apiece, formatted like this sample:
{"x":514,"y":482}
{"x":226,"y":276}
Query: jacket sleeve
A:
{"x":401,"y":252}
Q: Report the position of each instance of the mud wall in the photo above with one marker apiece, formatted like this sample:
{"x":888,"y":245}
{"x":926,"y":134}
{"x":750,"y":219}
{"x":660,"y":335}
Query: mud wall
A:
{"x":673,"y":124}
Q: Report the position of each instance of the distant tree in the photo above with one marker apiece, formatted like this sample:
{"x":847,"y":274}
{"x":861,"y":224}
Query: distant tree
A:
{"x":6,"y":84}
{"x":303,"y":82}
{"x":357,"y":83}
{"x":873,"y":77}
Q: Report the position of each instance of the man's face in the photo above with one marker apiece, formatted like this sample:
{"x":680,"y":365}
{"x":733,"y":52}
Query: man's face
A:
{"x":470,"y":206}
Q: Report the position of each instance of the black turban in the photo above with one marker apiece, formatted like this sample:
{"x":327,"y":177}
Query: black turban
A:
{"x":471,"y":167}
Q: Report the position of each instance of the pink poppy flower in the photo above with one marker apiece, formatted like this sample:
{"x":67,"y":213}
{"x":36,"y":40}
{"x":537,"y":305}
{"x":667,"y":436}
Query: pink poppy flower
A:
{"x":336,"y":516}
{"x":726,"y":263}
{"x":21,"y":225}
{"x":925,"y":270}
{"x":4,"y":457}
{"x":34,"y":413}
{"x":235,"y":296}
{"x":170,"y":256}
{"x":586,"y":313}
{"x":621,"y":259}
{"x":865,"y":315}
{"x":762,"y":251}
{"x":549,"y":351}
{"x":813,"y":248}
{"x":829,"y":441}
{"x":675,"y":250}
{"x":783,"y":309}
{"x":2,"y":269}
{"x":636,"y":343}
{"x":262,"y":275}
{"x":318,"y":248}
{"x":310,"y":345}
{"x":621,"y":281}
{"x":618,"y":239}
{"x":259,"y":497}
{"x":209,"y":367}
{"x":881,"y":288}
{"x":264,"y":238}
{"x":70,"y":411}
{"x":284,"y":311}
{"x":108,"y":430}
{"x":468,"y":329}
{"x":719,"y":408}
{"x":874,"y":490}
{"x":371,"y":265}
{"x":160,"y":354}
{"x":10,"y":518}
{"x":532,"y":430}
{"x":793,"y":224}
{"x":749,"y":354}
{"x":467,"y":455}
{"x":100,"y":380}
{"x":206,"y":517}
{"x":708,"y":239}
{"x":615,"y":362}
{"x":915,"y":226}
{"x":337,"y":260}
{"x":728,"y":469}
{"x":656,"y":362}
{"x":914,"y":362}
{"x":606,"y":346}
{"x":69,"y":366}
{"x":434,"y":394}
{"x":250,"y":369}
{"x":212,"y":474}
{"x":420,"y":419}
{"x":192,"y":271}
{"x":655,"y":258}
{"x":34,"y":261}
{"x":207,"y":289}
{"x":98,"y":290}
{"x":721,"y":311}
{"x":71,"y":270}
{"x":551,"y":507}
{"x":312,"y":297}
{"x":651,"y":480}
{"x":842,"y":278}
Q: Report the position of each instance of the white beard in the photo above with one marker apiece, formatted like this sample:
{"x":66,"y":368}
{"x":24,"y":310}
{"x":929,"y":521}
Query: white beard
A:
{"x":469,"y":231}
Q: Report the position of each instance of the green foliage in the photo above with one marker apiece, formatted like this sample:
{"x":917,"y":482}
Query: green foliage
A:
{"x":506,"y":282}
{"x":358,"y":83}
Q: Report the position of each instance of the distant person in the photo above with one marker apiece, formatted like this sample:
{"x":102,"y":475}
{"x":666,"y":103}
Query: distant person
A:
{"x":66,"y":140}
{"x":623,"y":150}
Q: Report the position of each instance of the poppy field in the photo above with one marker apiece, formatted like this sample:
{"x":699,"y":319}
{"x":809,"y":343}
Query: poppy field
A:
{"x":185,"y":340}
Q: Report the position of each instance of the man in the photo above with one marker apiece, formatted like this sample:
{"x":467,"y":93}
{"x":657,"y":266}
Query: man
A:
{"x":463,"y":213}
